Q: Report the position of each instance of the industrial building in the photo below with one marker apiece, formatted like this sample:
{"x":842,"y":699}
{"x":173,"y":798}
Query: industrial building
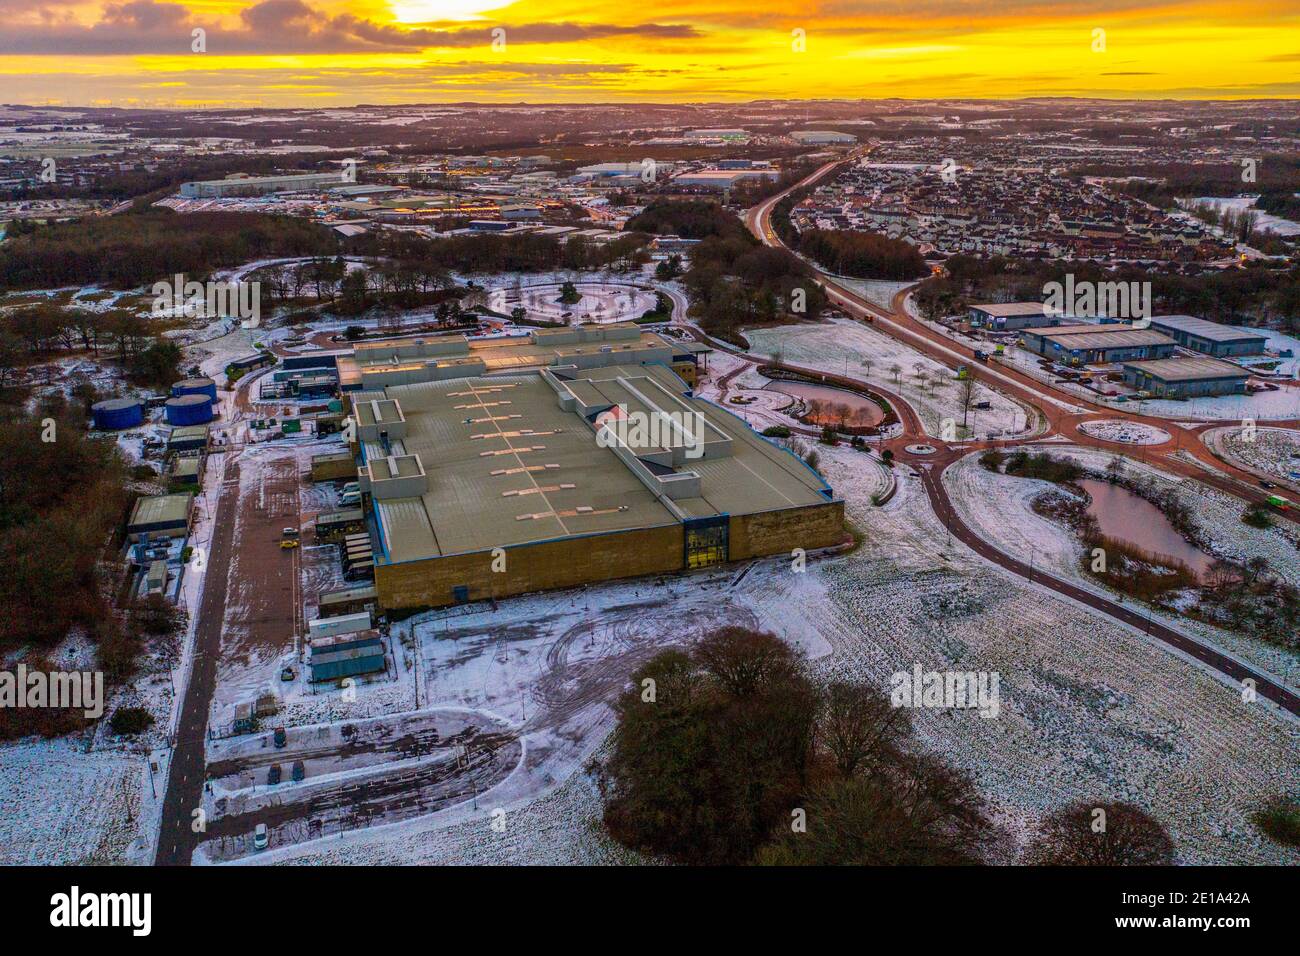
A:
{"x":242,"y":185}
{"x":1098,"y":344}
{"x":188,"y":438}
{"x":482,"y":486}
{"x":822,"y":136}
{"x":160,"y":516}
{"x":1186,"y":377}
{"x":1212,"y":338}
{"x":722,"y":179}
{"x":1012,"y":316}
{"x":727,"y":135}
{"x":406,"y":361}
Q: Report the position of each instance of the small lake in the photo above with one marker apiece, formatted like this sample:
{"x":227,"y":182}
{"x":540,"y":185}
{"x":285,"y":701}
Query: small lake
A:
{"x":1132,"y":519}
{"x":828,"y":405}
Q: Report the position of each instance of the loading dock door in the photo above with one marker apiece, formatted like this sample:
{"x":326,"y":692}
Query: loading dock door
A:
{"x":707,"y":541}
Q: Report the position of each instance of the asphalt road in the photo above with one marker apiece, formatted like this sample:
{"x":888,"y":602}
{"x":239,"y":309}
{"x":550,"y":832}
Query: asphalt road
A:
{"x":896,"y":322}
{"x":176,"y":838}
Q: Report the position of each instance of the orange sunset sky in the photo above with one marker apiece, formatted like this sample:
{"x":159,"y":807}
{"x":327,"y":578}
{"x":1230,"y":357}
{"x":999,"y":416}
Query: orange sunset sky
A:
{"x":343,"y":52}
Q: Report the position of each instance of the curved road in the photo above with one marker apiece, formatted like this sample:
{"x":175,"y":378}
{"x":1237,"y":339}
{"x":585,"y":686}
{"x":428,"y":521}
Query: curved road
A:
{"x":1049,"y":401}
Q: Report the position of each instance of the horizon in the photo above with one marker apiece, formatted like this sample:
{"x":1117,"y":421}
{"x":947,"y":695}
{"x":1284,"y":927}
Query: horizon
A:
{"x":292,"y":54}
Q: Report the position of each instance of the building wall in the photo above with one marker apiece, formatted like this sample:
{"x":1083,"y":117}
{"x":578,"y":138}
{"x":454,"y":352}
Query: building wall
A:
{"x":1188,"y":389}
{"x":330,"y":469}
{"x":533,"y":567}
{"x":778,"y":532}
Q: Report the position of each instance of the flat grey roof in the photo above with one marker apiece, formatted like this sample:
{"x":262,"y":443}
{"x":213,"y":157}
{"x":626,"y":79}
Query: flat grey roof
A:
{"x":1098,"y":339}
{"x":1187,"y":369}
{"x":1205,"y":329}
{"x":508,"y":465}
{"x":1005,"y":309}
{"x":161,"y":509}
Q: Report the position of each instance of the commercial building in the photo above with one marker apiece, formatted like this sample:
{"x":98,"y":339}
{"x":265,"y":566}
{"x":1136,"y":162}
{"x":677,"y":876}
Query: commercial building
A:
{"x":721,"y":179}
{"x":1012,"y":316}
{"x":160,"y":516}
{"x":1202,"y":335}
{"x":404,"y":361}
{"x":822,"y":136}
{"x":483,"y":486}
{"x":241,"y":185}
{"x":1186,"y":377}
{"x":1098,"y":344}
{"x":727,"y":135}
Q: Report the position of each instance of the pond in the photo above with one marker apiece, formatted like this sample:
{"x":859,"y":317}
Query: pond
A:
{"x":828,"y":405}
{"x":1130,"y":518}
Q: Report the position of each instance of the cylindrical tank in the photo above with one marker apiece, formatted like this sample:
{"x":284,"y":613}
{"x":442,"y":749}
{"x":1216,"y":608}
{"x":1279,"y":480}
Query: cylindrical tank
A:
{"x":115,"y":413}
{"x":196,"y":386}
{"x":189,"y":410}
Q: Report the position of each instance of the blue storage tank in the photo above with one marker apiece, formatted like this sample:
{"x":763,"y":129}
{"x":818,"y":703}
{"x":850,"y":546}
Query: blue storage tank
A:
{"x":189,"y":410}
{"x":117,"y":413}
{"x":196,"y":386}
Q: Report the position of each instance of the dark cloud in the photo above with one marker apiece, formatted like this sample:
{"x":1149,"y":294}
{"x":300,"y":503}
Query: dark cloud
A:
{"x":283,"y":27}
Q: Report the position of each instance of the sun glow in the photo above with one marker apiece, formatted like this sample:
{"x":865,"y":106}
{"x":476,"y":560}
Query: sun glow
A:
{"x":436,"y":11}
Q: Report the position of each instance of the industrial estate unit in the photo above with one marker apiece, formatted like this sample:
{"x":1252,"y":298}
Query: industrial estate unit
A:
{"x":506,"y":470}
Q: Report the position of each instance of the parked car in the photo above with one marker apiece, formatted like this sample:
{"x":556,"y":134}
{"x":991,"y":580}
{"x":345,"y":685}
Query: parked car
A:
{"x":261,"y":838}
{"x":299,"y":771}
{"x":273,"y":776}
{"x":281,"y":738}
{"x":287,"y":674}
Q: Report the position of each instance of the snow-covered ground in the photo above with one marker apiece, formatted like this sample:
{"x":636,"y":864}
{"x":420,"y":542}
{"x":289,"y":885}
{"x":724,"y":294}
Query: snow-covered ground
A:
{"x":998,"y":508}
{"x":1088,"y":707}
{"x":1265,"y":222}
{"x":1125,"y":432}
{"x":60,"y":805}
{"x":1274,"y":452}
{"x":598,"y":302}
{"x":855,"y":350}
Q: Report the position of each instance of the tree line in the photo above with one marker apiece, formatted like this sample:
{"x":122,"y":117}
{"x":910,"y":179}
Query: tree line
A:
{"x":135,"y":249}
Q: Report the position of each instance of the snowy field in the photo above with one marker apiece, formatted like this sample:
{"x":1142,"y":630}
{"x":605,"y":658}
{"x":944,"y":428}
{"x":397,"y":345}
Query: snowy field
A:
{"x":1089,"y":708}
{"x":62,"y":806}
{"x":1274,"y":452}
{"x":998,"y":508}
{"x":845,"y":347}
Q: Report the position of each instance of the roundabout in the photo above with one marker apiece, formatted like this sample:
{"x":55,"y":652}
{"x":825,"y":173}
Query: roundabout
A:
{"x":598,"y":302}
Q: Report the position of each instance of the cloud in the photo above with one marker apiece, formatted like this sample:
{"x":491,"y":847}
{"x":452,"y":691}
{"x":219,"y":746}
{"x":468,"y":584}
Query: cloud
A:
{"x":142,"y":27}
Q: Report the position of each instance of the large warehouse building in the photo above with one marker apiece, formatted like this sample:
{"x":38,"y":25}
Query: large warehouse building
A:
{"x":1091,"y":344}
{"x":240,"y":185}
{"x":1212,"y":338}
{"x":1011,"y":316}
{"x":407,"y":361}
{"x":1186,"y":377}
{"x":484,"y":486}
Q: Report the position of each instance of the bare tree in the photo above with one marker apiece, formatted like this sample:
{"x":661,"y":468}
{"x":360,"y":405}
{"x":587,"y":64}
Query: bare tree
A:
{"x":1101,"y":834}
{"x":859,"y":726}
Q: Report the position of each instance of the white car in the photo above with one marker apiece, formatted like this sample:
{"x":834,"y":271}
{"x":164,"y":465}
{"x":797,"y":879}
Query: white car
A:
{"x":261,"y":838}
